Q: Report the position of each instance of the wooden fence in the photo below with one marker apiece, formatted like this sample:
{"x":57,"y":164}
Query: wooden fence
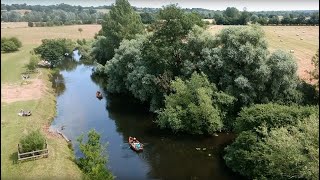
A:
{"x":33,"y":154}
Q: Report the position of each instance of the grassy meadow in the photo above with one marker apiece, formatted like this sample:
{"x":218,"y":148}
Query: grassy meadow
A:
{"x":59,"y":164}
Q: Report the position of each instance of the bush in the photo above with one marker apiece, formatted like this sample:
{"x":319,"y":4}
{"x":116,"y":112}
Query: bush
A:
{"x":272,"y":115}
{"x":33,"y":141}
{"x":8,"y":46}
{"x":16,"y":41}
{"x":32,"y":65}
{"x":30,"y":24}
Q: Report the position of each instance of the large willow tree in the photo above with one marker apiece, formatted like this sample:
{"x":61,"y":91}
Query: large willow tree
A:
{"x":122,"y":22}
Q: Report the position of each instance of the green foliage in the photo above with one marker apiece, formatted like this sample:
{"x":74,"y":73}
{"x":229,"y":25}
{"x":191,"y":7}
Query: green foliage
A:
{"x":33,"y":141}
{"x":289,"y":152}
{"x":272,"y":116}
{"x":10,"y":44}
{"x":315,"y":72}
{"x":53,"y":50}
{"x":190,"y":107}
{"x":99,"y":49}
{"x":123,"y":63}
{"x":16,"y":41}
{"x":94,"y":160}
{"x":282,"y":86}
{"x":33,"y":63}
{"x":122,"y":22}
{"x":239,"y":64}
{"x":147,"y":18}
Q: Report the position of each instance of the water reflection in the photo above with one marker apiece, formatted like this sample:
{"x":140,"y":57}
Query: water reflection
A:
{"x":76,"y":55}
{"x":58,"y":83}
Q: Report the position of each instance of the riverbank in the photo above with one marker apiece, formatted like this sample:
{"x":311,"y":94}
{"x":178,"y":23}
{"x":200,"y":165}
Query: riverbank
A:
{"x":40,"y":100}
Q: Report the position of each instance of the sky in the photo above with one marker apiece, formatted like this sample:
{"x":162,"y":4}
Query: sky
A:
{"x":251,"y":5}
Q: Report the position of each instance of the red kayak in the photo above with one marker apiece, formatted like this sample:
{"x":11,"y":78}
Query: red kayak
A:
{"x":135,"y":144}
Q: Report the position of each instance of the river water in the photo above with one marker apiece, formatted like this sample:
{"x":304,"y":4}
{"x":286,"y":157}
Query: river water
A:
{"x":116,"y":117}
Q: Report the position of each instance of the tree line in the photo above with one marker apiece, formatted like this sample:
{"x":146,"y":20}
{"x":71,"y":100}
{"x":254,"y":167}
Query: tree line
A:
{"x":54,"y":15}
{"x":66,"y":14}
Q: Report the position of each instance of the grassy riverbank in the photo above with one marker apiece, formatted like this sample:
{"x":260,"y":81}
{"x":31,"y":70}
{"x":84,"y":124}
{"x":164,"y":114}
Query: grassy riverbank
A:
{"x":59,"y":164}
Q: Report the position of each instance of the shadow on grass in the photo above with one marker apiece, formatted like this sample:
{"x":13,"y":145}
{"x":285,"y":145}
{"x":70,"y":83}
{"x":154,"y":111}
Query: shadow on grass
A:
{"x":14,"y":157}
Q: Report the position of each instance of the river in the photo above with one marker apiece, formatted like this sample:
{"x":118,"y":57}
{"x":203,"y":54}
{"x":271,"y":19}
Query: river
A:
{"x":116,"y":117}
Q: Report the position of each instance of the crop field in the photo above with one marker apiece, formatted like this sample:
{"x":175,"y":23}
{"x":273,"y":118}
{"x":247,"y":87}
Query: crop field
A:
{"x":34,"y":35}
{"x":304,"y":40}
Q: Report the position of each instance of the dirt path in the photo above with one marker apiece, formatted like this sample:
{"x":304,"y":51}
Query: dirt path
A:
{"x":33,"y":89}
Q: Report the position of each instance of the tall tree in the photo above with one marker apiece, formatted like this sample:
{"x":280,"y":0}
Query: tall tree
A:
{"x":122,"y":22}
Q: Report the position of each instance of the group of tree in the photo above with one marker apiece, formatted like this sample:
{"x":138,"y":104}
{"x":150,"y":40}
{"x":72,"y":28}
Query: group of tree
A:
{"x":232,"y":16}
{"x":64,"y":14}
{"x":10,"y":44}
{"x":54,"y":50}
{"x":54,"y":16}
{"x":235,"y":68}
{"x":198,"y":83}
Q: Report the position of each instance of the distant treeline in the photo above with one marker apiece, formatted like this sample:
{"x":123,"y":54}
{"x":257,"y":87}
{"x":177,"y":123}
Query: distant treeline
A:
{"x":53,"y":15}
{"x":64,"y":14}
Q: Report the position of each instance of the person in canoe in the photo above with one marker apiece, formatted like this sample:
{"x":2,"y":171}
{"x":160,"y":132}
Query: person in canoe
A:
{"x":135,"y":144}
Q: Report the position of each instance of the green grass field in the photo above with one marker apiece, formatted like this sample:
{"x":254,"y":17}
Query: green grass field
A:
{"x":59,"y":164}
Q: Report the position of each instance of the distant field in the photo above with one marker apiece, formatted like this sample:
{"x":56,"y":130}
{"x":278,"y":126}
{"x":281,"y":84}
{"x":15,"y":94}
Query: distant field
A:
{"x":303,"y":49}
{"x":34,"y":35}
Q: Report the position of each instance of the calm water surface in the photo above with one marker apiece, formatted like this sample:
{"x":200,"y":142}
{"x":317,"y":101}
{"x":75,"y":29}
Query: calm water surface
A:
{"x":115,"y":117}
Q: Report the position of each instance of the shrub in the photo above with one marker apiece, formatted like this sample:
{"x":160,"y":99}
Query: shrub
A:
{"x":32,"y":65}
{"x":16,"y":41}
{"x":30,"y":24}
{"x":272,"y":115}
{"x":33,"y":141}
{"x":8,"y":46}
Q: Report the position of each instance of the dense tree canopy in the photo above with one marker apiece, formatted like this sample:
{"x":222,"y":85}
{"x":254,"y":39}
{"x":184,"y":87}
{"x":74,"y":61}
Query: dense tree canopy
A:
{"x":271,"y":115}
{"x":194,"y":106}
{"x":122,"y":22}
{"x":289,"y":152}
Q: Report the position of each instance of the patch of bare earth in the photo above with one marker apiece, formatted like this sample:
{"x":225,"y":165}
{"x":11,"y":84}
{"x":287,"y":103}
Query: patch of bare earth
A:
{"x":31,"y":91}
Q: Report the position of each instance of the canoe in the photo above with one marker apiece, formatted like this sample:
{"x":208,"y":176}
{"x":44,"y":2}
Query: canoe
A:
{"x":137,"y":146}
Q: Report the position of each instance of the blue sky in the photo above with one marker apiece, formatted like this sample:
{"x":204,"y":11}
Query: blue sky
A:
{"x":251,"y":5}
